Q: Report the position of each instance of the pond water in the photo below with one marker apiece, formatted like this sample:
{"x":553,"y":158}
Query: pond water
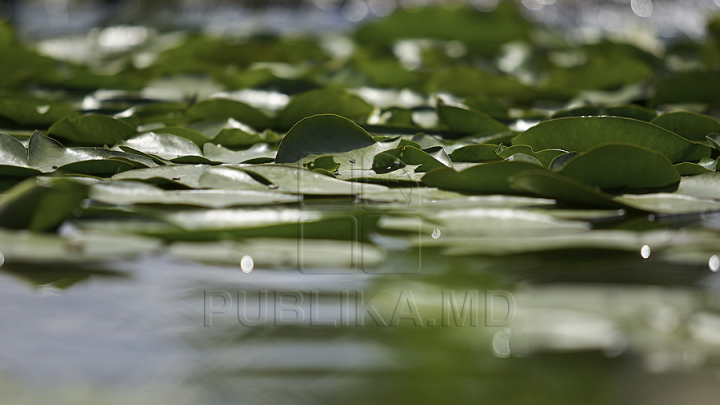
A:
{"x":540,"y":328}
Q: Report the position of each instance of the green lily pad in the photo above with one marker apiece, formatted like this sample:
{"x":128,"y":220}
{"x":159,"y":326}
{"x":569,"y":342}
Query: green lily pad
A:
{"x":324,"y":101}
{"x":126,"y":192}
{"x":31,"y":111}
{"x":297,"y":180}
{"x":692,"y":126}
{"x":48,"y":155}
{"x":621,"y":166}
{"x":428,"y":159}
{"x":14,"y":159}
{"x":191,"y":135}
{"x":40,"y":204}
{"x":705,"y":185}
{"x":568,"y":190}
{"x":283,"y":253}
{"x":688,"y":87}
{"x":714,"y":140}
{"x":475,"y":153}
{"x":220,"y":109}
{"x":705,"y":165}
{"x":322,"y":134}
{"x":185,"y":175}
{"x":243,"y":137}
{"x":579,"y":134}
{"x":632,"y":111}
{"x":544,"y":157}
{"x":467,"y":121}
{"x":92,"y":130}
{"x":485,"y":178}
{"x":260,"y":151}
{"x":84,"y":247}
{"x":165,"y":146}
{"x":583,"y":111}
{"x":671,"y":204}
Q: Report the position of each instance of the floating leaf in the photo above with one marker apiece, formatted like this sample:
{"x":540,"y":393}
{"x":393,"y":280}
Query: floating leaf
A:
{"x":325,"y":101}
{"x":48,"y":155}
{"x":84,"y":247}
{"x":544,"y":157}
{"x":260,"y":151}
{"x":322,"y":134}
{"x":427,"y":159}
{"x":584,"y":133}
{"x":14,"y":159}
{"x":619,"y":166}
{"x":565,"y":189}
{"x":688,"y":87}
{"x":705,"y":165}
{"x":31,"y":111}
{"x":40,"y":204}
{"x":191,"y":135}
{"x":297,"y":180}
{"x":165,"y":146}
{"x":126,"y":192}
{"x":467,"y":121}
{"x":485,"y":178}
{"x":692,"y":126}
{"x":92,"y":130}
{"x":632,"y":111}
{"x":475,"y":153}
{"x":220,"y":109}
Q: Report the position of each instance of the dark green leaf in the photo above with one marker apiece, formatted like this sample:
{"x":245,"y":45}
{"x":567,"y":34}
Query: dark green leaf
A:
{"x":92,"y":130}
{"x":692,"y":126}
{"x":584,"y":133}
{"x":325,"y":101}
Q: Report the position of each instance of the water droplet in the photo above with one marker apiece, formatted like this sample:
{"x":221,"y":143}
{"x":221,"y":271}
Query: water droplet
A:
{"x":42,"y":109}
{"x":436,"y":233}
{"x":424,"y":199}
{"x":247,"y":264}
{"x":433,"y":201}
{"x":714,"y":263}
{"x":501,"y":343}
{"x":645,"y":251}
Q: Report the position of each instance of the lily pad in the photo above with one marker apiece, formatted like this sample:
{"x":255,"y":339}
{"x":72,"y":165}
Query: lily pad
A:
{"x":324,"y":101}
{"x":475,"y":153}
{"x":552,"y":185}
{"x":260,"y":151}
{"x":31,"y":111}
{"x":126,"y":192}
{"x":485,"y":178}
{"x":322,"y":134}
{"x":579,"y":134}
{"x":92,"y":130}
{"x":467,"y":121}
{"x":620,"y":166}
{"x":705,"y":165}
{"x":220,"y":109}
{"x":689,"y":125}
{"x":165,"y":146}
{"x":40,"y":204}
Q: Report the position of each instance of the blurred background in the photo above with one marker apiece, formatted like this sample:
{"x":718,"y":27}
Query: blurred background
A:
{"x":44,"y":18}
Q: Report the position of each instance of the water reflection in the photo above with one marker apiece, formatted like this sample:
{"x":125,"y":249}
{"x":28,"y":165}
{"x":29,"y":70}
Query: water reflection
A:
{"x":380,"y":338}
